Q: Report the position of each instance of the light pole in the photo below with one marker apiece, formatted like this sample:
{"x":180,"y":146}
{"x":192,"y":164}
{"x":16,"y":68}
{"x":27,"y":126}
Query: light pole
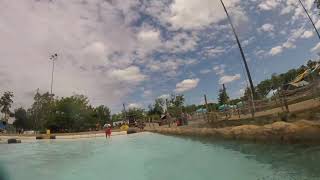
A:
{"x":252,"y":91}
{"x":314,"y":26}
{"x":53,"y":58}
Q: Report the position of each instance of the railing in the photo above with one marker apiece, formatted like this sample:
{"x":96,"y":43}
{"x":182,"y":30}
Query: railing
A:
{"x":280,"y":103}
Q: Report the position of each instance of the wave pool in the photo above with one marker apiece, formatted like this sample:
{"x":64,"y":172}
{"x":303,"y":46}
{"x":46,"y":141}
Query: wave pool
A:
{"x":148,"y":156}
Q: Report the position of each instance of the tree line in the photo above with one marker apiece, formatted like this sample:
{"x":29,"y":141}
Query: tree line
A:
{"x":66,"y":114}
{"x":279,"y":80}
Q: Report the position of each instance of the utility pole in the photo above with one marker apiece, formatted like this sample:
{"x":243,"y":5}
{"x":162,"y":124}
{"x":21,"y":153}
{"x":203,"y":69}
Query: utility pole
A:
{"x":206,"y":102}
{"x":252,"y":91}
{"x":53,"y":58}
{"x":124,"y":111}
{"x":314,"y":26}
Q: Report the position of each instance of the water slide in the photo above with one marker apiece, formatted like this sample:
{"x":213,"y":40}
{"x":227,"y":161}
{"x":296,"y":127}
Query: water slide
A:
{"x":306,"y":73}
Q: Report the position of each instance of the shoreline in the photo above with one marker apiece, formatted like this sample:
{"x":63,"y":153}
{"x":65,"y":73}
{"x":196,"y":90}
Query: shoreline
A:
{"x":64,"y":136}
{"x":298,"y":132}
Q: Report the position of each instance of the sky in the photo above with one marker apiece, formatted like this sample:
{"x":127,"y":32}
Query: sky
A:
{"x":133,"y":51}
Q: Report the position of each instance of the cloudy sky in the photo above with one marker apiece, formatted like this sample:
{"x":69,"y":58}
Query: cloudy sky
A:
{"x":133,"y":51}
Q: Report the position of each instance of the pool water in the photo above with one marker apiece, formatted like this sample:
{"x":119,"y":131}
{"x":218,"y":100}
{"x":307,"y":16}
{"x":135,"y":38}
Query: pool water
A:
{"x":150,"y":156}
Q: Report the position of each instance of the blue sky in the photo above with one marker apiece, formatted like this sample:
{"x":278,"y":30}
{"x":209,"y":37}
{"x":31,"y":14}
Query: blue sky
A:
{"x":133,"y":51}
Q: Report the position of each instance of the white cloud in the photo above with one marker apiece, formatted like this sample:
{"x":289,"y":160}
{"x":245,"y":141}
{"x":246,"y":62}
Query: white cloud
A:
{"x":164,"y":96}
{"x":213,"y":51}
{"x":276,"y":50}
{"x":134,"y":105}
{"x":150,"y":36}
{"x":147,"y":93}
{"x":181,"y":42}
{"x":316,"y":48}
{"x":228,"y":79}
{"x":294,"y":35}
{"x":186,"y":85}
{"x":307,"y":34}
{"x":219,"y":69}
{"x":267,"y":28}
{"x":205,"y":71}
{"x":170,"y":67}
{"x":269,"y":4}
{"x":260,"y":53}
{"x":181,"y":13}
{"x":131,"y":74}
{"x":148,"y":41}
{"x":95,"y":50}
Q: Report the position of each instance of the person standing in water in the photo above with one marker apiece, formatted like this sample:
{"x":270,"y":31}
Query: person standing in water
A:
{"x":108,"y":131}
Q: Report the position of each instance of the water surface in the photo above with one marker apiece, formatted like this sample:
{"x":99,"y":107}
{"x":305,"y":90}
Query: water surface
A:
{"x":156,"y":157}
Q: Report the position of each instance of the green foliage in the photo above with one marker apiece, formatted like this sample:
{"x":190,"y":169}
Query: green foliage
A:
{"x":175,"y":105}
{"x":157,"y":108}
{"x":189,"y":109}
{"x":223,"y":97}
{"x":22,"y":120}
{"x":117,"y":117}
{"x":263,"y":88}
{"x":136,"y":113}
{"x":277,"y":81}
{"x":41,"y":110}
{"x":234,"y":101}
{"x":176,"y":100}
{"x":103,"y":114}
{"x":70,"y":114}
{"x":5,"y":103}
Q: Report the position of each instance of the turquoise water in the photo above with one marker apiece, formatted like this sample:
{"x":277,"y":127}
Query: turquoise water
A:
{"x":156,"y":157}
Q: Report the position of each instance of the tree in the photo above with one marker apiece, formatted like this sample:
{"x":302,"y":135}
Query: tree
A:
{"x":157,"y":108}
{"x":117,"y":117}
{"x":263,"y":88}
{"x":175,"y":105}
{"x":72,"y":113}
{"x":5,"y":104}
{"x":41,"y":110}
{"x":22,"y":120}
{"x":275,"y":81}
{"x":103,"y":114}
{"x":177,"y":100}
{"x":136,"y":113}
{"x":190,"y":109}
{"x":223,"y":97}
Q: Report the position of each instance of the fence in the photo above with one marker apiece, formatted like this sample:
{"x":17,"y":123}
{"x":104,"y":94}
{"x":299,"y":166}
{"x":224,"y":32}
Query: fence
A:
{"x":283,"y":101}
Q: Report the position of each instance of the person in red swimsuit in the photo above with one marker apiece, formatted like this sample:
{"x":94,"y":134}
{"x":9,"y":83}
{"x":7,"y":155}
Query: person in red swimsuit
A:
{"x":108,"y":131}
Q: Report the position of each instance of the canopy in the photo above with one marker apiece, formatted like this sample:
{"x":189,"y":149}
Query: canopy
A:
{"x":240,"y":104}
{"x":271,"y":93}
{"x":2,"y":125}
{"x":300,"y":77}
{"x":299,"y":84}
{"x":201,"y":110}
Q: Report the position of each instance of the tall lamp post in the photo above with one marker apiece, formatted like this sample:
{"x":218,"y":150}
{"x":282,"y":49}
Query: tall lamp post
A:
{"x":53,"y":58}
{"x":252,"y":91}
{"x":314,"y":26}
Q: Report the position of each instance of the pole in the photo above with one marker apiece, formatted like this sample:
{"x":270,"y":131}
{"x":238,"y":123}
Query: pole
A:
{"x":314,"y":26}
{"x":52,"y":58}
{"x":52,"y":76}
{"x":243,"y":57}
{"x":124,"y":110}
{"x":206,"y":102}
